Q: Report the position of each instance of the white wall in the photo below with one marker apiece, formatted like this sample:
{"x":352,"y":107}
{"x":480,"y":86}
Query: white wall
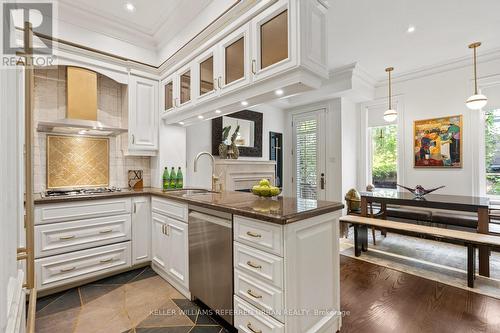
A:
{"x":199,"y":138}
{"x":350,"y":122}
{"x":171,"y":153}
{"x":435,"y":95}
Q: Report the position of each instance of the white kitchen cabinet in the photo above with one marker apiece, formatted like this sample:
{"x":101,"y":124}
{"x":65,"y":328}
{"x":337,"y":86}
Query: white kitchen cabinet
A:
{"x":143,"y":114}
{"x":141,"y":229}
{"x":169,"y":97}
{"x":170,"y":247}
{"x":158,"y":242}
{"x":206,"y":77}
{"x":183,"y":87}
{"x":178,"y":251}
{"x":234,"y":60}
{"x":274,"y":40}
{"x":63,"y":269}
{"x":278,"y":268}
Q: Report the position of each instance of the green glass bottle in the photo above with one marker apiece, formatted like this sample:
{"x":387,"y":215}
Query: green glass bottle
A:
{"x":180,"y":179}
{"x":166,"y":179}
{"x":173,"y":178}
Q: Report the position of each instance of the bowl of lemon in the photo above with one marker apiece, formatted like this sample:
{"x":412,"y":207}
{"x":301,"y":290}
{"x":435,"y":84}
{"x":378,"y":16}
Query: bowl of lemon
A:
{"x":265,"y":190}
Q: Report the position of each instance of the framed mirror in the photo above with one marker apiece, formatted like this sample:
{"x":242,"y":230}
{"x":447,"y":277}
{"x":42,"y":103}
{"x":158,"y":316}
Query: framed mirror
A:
{"x":249,"y":137}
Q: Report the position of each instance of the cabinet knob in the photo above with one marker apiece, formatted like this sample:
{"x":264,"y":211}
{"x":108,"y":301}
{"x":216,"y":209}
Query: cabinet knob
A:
{"x":133,"y":138}
{"x":251,"y":264}
{"x":254,"y":65}
{"x":64,"y":270}
{"x":254,"y":295}
{"x":249,"y":326}
{"x":66,"y":237}
{"x":253,"y":234}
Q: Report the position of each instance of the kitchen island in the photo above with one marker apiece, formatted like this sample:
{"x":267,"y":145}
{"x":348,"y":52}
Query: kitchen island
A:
{"x":285,"y":255}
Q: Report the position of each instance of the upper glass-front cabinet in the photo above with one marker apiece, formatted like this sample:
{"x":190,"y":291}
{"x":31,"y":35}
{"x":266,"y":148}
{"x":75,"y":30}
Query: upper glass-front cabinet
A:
{"x":206,"y":76}
{"x":235,"y":55}
{"x":169,"y":95}
{"x":273,"y":41}
{"x":185,"y":86}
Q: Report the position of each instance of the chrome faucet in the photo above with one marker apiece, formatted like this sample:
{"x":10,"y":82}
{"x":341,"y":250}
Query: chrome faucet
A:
{"x":215,"y":179}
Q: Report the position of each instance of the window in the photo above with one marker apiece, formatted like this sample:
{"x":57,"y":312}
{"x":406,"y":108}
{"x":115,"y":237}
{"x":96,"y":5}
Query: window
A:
{"x":384,"y":156}
{"x":492,"y":151}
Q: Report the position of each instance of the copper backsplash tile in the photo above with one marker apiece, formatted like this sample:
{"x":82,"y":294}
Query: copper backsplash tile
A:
{"x":76,"y":161}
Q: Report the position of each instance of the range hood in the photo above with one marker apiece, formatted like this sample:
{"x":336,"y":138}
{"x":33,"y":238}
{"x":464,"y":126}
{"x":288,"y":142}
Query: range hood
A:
{"x":81,"y":108}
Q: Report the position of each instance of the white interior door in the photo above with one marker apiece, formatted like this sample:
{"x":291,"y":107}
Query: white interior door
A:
{"x":309,"y":177}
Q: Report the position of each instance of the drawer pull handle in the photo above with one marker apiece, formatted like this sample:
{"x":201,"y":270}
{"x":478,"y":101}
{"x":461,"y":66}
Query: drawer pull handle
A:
{"x":67,"y":237}
{"x":251,"y":293}
{"x":251,"y":264}
{"x":64,"y":270}
{"x":249,"y":325}
{"x":107,"y":231}
{"x":106,"y":260}
{"x":253,"y":234}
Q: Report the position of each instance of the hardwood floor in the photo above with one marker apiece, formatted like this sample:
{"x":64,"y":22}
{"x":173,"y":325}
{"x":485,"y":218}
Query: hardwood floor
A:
{"x":380,"y":299}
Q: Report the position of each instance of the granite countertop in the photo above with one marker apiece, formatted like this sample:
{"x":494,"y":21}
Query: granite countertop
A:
{"x":281,"y":210}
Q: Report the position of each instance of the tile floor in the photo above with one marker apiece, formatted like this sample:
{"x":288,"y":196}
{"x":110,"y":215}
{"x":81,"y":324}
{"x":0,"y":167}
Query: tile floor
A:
{"x":138,"y":301}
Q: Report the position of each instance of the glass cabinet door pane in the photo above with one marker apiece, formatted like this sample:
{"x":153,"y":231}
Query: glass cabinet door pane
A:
{"x":169,"y":95}
{"x":207,"y":76}
{"x":235,"y":61}
{"x":274,"y":40}
{"x":186,"y":87}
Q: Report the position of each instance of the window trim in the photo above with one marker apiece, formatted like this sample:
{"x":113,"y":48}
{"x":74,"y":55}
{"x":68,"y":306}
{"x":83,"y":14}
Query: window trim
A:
{"x":478,"y":118}
{"x":365,"y":159}
{"x":369,"y":152}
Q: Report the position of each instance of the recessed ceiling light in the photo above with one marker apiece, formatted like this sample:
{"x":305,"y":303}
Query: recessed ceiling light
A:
{"x":129,"y":6}
{"x":218,"y":111}
{"x":279,"y":92}
{"x":244,"y":103}
{"x":200,"y":117}
{"x":411,"y":29}
{"x":181,"y":123}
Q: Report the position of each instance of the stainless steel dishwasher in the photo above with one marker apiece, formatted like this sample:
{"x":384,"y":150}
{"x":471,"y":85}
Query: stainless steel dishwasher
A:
{"x":211,"y":259}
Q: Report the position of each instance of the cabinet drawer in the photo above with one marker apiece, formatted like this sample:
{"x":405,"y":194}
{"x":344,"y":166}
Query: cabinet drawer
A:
{"x":262,"y":295}
{"x":264,"y":236}
{"x":85,"y":209}
{"x":267,"y":267}
{"x":57,"y":238}
{"x":250,"y":320}
{"x":70,"y":267}
{"x":170,"y":208}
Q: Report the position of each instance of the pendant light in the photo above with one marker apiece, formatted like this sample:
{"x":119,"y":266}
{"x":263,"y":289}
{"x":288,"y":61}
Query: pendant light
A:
{"x":476,"y":101}
{"x":390,"y":115}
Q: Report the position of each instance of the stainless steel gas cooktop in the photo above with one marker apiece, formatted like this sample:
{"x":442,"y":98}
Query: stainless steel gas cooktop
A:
{"x":81,"y":191}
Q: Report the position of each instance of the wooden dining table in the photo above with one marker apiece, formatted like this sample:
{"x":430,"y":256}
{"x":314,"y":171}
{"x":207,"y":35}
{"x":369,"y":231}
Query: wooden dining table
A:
{"x":479,"y":205}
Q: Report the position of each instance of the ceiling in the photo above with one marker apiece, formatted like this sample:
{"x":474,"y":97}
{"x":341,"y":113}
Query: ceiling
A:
{"x":374,"y":33}
{"x":153,"y":23}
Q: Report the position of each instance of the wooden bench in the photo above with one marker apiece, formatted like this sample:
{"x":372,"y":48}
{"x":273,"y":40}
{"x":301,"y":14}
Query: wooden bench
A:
{"x":468,"y":239}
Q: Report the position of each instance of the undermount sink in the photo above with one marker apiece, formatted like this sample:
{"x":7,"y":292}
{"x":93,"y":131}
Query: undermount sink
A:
{"x":189,"y":193}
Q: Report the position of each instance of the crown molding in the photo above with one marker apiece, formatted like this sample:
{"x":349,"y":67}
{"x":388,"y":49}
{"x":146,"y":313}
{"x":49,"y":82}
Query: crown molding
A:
{"x":441,"y":67}
{"x":105,"y":25}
